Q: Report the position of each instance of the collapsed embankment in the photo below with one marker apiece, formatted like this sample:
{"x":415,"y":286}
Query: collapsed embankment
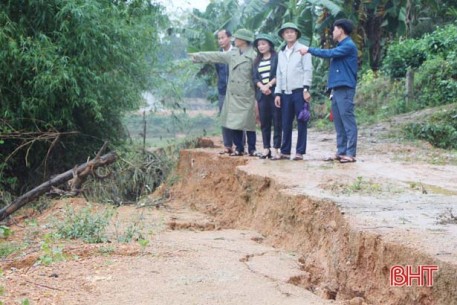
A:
{"x":342,"y":261}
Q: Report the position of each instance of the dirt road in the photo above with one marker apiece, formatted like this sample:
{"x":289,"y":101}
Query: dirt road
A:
{"x":183,"y":265}
{"x":251,"y":231}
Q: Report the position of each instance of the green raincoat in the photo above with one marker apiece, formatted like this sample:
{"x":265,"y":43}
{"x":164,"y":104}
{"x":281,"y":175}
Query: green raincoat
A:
{"x":238,"y":111}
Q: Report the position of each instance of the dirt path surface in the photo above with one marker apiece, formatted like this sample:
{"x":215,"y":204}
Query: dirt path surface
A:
{"x":213,"y":267}
{"x":240,"y":230}
{"x":188,"y":261}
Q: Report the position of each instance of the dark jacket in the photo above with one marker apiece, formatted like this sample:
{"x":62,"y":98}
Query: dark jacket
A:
{"x":257,"y":78}
{"x":222,"y":71}
{"x":344,"y":64}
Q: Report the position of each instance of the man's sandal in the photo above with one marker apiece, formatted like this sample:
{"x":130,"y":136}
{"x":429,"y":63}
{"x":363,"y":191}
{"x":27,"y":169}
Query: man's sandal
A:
{"x":347,"y":159}
{"x":280,"y":157}
{"x":227,"y":151}
{"x":298,"y":157}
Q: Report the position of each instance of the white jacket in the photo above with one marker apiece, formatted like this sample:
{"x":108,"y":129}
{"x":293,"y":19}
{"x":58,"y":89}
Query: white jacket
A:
{"x":294,"y":72}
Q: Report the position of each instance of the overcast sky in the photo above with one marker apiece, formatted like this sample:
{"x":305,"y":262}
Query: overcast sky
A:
{"x":178,"y":5}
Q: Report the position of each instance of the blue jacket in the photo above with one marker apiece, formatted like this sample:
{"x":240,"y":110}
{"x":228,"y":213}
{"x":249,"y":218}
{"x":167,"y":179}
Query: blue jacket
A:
{"x":222,"y":71}
{"x":344,"y":64}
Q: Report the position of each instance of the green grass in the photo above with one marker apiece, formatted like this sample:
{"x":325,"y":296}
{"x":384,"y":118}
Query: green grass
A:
{"x":7,"y":248}
{"x":85,"y":224}
{"x":163,"y":130}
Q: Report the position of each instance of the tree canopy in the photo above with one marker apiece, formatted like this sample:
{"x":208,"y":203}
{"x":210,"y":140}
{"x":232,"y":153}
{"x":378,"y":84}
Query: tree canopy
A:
{"x":377,"y":22}
{"x":71,"y":66}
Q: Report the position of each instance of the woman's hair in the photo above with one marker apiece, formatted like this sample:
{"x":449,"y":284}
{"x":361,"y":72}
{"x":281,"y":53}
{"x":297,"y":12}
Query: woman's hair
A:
{"x":259,"y":55}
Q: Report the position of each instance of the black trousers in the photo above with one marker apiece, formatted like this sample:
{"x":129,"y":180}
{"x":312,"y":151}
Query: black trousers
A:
{"x":270,"y":115}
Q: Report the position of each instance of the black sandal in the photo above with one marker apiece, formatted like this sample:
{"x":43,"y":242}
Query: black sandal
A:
{"x":236,"y":153}
{"x":265,"y":156}
{"x":255,"y":154}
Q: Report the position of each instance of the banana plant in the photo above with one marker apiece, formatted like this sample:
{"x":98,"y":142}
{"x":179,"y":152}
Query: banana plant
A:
{"x":267,"y":16}
{"x":202,"y":27}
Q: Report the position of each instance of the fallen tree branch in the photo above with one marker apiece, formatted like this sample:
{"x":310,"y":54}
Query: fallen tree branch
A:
{"x":42,"y":285}
{"x":79,"y":172}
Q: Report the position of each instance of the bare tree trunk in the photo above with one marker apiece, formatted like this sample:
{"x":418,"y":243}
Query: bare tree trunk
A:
{"x":144,"y":133}
{"x":409,"y":86}
{"x":374,"y":35}
{"x":79,"y":172}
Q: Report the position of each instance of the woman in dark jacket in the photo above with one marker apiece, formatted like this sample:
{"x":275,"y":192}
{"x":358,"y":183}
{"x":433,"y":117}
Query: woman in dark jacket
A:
{"x":264,"y":75}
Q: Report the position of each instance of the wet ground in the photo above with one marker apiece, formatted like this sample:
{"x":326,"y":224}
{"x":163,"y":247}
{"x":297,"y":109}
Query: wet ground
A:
{"x":241,"y":230}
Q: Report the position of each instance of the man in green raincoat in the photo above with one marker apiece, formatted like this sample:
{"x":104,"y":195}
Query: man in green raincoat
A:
{"x":238,"y":111}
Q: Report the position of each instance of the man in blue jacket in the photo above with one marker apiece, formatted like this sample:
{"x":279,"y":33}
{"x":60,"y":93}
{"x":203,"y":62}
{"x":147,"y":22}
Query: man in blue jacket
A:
{"x":224,"y":40}
{"x":342,"y":81}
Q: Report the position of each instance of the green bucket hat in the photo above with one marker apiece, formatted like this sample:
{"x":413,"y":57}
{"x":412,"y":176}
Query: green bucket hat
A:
{"x":289,"y":25}
{"x":244,"y":34}
{"x":266,"y":37}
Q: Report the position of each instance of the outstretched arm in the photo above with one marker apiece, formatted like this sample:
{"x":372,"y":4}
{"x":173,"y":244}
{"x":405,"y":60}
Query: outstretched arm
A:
{"x":210,"y":57}
{"x":303,"y":50}
{"x":338,"y":51}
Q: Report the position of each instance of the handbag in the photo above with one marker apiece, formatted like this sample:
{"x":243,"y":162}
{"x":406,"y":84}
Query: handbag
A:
{"x":304,"y":114}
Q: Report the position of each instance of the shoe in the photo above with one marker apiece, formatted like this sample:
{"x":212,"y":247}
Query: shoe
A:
{"x":227,"y":151}
{"x":255,"y":153}
{"x":266,"y":154}
{"x":298,"y":157}
{"x":347,"y":159}
{"x":284,"y":157}
{"x":281,"y":156}
{"x":236,"y":153}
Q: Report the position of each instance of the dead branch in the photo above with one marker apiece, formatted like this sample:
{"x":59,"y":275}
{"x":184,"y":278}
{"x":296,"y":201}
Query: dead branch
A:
{"x":42,"y":285}
{"x":79,"y":177}
{"x":29,"y":138}
{"x":79,"y":173}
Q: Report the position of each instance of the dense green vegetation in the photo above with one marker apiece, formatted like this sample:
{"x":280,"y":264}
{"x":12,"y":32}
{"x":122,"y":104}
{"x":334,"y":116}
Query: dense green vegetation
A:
{"x":69,"y":70}
{"x":440,"y":129}
{"x":433,"y":59}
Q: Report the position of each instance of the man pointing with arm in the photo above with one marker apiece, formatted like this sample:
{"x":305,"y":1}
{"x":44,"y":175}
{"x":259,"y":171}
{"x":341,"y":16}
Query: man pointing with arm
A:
{"x":342,"y":81}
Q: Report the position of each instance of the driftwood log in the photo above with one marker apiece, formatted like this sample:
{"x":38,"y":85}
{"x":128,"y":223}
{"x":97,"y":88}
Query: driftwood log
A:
{"x":74,"y":177}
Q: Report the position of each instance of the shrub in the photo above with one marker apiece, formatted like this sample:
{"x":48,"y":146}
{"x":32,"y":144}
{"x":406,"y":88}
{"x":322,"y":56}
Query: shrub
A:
{"x":85,"y":224}
{"x":131,"y":179}
{"x":441,"y":42}
{"x":379,"y":97}
{"x":436,"y":82}
{"x":414,"y":52}
{"x":440,"y":130}
{"x":403,"y":54}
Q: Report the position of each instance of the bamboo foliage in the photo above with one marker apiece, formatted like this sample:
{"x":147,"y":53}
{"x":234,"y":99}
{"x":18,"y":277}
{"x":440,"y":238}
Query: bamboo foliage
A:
{"x":73,"y":66}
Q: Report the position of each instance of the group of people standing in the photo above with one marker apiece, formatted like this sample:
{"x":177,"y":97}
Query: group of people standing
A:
{"x":257,"y":83}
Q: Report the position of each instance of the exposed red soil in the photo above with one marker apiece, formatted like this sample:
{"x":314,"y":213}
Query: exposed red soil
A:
{"x":240,"y":230}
